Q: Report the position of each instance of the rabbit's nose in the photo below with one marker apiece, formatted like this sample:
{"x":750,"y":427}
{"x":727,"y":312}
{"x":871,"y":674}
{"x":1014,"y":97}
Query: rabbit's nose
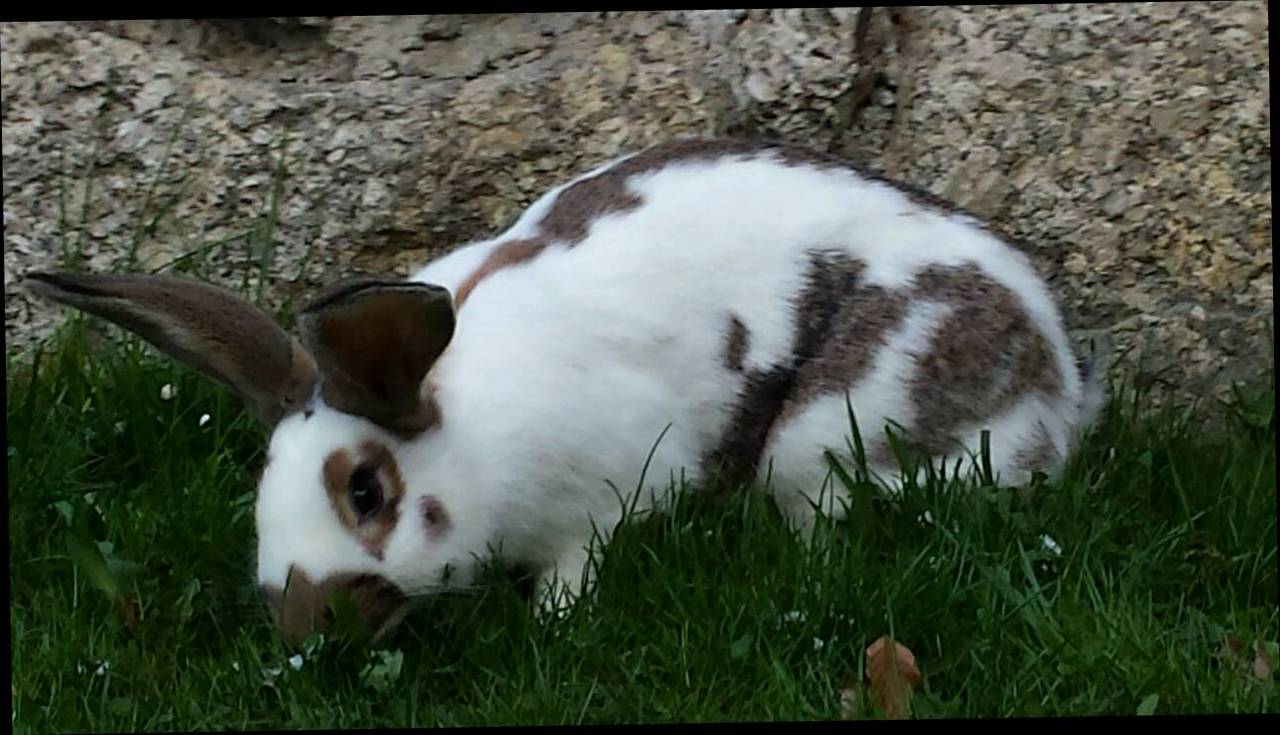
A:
{"x":274,"y":597}
{"x":303,"y":606}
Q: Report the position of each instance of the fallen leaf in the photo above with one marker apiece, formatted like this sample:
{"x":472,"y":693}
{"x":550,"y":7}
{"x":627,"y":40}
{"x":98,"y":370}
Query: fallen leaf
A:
{"x":891,"y":669}
{"x":1236,"y":655}
{"x":129,"y":609}
{"x":1261,"y":662}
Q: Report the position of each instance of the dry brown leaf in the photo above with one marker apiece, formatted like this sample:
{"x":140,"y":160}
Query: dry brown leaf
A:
{"x":1231,"y":652}
{"x":1235,"y":654}
{"x":129,"y":609}
{"x":891,"y":669}
{"x":1261,"y":662}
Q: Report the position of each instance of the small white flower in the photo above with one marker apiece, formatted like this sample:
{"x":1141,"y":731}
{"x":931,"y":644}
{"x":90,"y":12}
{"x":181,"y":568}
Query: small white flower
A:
{"x":79,"y":668}
{"x":102,"y":668}
{"x":795,"y":616}
{"x":1047,"y":541}
{"x":120,"y":427}
{"x":204,"y":419}
{"x":818,"y":643}
{"x":166,"y":392}
{"x":270,"y":674}
{"x":296,"y":661}
{"x":235,"y":665}
{"x":925,"y":517}
{"x":848,"y":702}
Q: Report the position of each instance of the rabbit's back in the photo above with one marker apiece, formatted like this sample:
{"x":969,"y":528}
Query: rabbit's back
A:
{"x":732,"y":293}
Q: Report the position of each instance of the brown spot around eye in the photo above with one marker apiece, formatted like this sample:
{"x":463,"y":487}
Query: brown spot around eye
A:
{"x":338,"y":469}
{"x":434,"y":517}
{"x":337,"y":473}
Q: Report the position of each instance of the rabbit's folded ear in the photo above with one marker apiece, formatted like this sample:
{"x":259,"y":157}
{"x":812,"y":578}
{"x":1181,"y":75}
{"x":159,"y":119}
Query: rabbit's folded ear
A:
{"x":205,"y":327}
{"x":374,"y":342}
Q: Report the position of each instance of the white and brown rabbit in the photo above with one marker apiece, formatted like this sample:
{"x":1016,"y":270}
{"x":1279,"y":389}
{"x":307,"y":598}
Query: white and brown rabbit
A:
{"x":730,"y":293}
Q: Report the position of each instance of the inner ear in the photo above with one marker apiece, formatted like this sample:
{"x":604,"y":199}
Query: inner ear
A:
{"x":374,"y":342}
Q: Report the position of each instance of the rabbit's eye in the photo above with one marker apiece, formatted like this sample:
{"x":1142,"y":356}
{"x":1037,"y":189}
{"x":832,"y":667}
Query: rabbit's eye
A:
{"x":365,"y":492}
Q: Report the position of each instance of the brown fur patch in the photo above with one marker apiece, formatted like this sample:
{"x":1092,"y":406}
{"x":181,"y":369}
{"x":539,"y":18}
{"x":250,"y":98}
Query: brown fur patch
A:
{"x":735,"y":344}
{"x":983,"y":357}
{"x":339,"y":466}
{"x":879,"y":452}
{"x":512,"y":252}
{"x":1038,"y":454}
{"x":840,"y":323}
{"x":572,"y":213}
{"x":337,"y":472}
{"x":736,"y":457}
{"x":575,"y":209}
{"x":859,"y":318}
{"x":608,"y":192}
{"x":435,"y":518}
{"x":302,"y":607}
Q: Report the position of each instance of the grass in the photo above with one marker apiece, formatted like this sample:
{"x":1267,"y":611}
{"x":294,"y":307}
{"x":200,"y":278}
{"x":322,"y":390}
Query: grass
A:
{"x":1122,"y":587}
{"x":712,"y":612}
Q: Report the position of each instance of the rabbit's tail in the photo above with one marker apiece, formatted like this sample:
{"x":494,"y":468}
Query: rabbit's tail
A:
{"x":1093,"y":371}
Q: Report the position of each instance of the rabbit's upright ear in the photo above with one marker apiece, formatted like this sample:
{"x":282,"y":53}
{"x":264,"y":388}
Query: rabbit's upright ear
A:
{"x":374,"y":341}
{"x":205,"y":327}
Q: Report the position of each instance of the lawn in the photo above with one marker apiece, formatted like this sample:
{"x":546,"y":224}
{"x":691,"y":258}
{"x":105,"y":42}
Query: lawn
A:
{"x":1142,"y":581}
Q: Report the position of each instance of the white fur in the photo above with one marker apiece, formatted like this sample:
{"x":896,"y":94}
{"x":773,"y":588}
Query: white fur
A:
{"x":564,"y":370}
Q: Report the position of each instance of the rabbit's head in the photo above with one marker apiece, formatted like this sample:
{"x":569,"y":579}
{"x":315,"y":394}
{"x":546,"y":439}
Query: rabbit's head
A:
{"x":344,"y":505}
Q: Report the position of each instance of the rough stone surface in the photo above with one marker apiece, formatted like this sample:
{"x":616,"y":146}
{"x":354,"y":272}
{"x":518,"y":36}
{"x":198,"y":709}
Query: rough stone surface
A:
{"x":1128,"y":145}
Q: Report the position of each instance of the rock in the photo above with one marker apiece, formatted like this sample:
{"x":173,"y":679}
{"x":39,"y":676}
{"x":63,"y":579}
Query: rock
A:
{"x":152,"y":95}
{"x":1128,"y":145}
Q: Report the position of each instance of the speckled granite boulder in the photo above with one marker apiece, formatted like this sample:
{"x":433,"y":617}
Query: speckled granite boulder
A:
{"x":1127,"y":145}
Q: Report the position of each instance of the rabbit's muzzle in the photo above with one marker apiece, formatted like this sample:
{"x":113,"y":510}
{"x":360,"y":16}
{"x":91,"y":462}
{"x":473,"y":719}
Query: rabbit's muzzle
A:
{"x":304,"y":606}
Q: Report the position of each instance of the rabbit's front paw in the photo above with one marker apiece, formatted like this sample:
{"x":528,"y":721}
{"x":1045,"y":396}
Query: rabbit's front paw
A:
{"x":562,"y":583}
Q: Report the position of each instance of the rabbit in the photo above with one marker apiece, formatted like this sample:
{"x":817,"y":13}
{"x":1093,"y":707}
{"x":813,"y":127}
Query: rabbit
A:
{"x":706,"y":308}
